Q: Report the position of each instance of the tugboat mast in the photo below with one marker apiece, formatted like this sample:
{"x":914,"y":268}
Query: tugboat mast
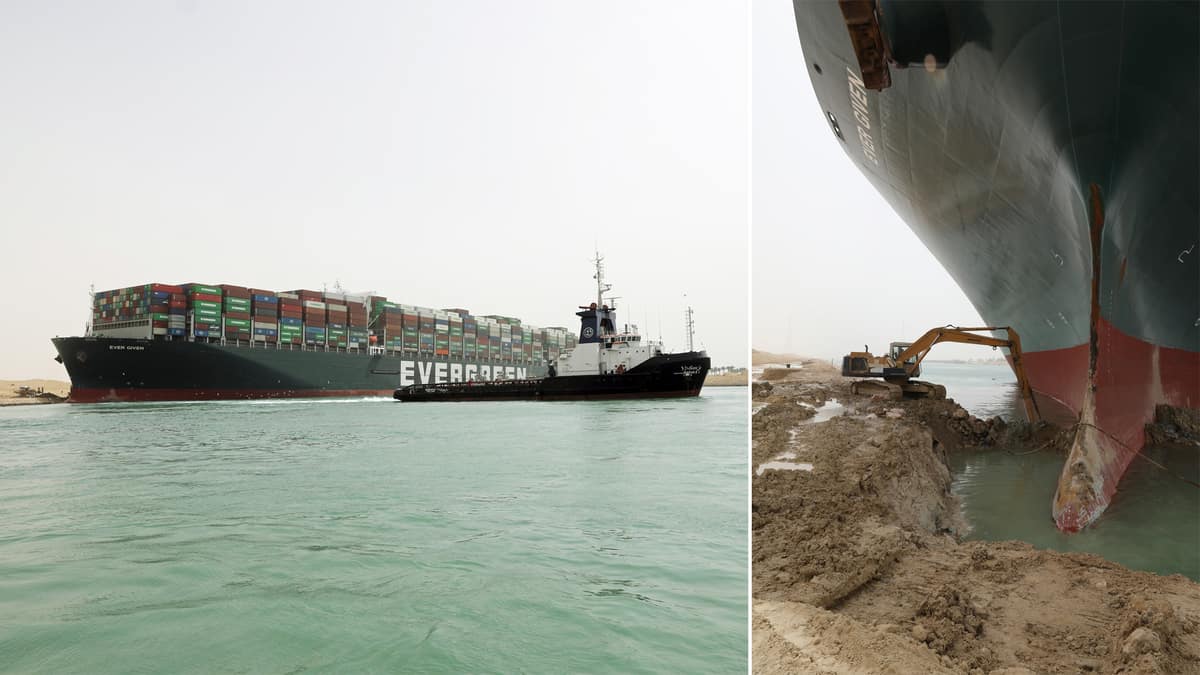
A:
{"x":690,"y":325}
{"x":601,"y":287}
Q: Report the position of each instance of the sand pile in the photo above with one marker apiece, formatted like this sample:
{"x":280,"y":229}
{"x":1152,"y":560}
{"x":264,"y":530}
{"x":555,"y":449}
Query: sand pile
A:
{"x":858,"y":566}
{"x":55,"y":391}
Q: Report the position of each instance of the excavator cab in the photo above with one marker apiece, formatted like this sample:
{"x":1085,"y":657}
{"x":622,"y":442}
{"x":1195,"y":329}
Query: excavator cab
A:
{"x":907,"y":369}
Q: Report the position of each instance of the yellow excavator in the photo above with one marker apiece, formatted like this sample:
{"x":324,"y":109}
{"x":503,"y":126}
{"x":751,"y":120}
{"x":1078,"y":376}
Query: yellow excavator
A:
{"x":902,"y":364}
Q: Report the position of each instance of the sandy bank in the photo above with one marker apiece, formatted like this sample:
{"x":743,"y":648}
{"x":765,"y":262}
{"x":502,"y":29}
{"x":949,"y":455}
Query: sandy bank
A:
{"x":727,"y":380}
{"x":858,"y":568}
{"x":9,"y":391}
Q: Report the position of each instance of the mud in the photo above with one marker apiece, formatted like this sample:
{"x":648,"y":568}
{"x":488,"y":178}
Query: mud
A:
{"x":1174,"y":426}
{"x":859,"y":567}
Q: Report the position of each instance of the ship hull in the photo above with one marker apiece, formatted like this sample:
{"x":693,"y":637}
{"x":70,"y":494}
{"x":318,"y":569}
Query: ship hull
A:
{"x":664,"y":376}
{"x":130,"y":370}
{"x":1046,"y":154}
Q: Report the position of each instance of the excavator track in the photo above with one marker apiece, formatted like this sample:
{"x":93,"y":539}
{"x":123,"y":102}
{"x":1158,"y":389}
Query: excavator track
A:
{"x":886,"y":390}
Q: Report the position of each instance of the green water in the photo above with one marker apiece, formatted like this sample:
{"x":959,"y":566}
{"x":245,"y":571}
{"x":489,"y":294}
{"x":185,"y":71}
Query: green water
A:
{"x":1153,"y":523}
{"x":352,"y":536}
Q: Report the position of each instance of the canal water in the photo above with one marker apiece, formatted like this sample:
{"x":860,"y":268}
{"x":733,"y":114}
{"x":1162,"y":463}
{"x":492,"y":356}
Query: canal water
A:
{"x":375,"y":536}
{"x":1153,"y":523}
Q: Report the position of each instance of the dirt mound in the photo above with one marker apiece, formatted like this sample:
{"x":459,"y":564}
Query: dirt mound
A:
{"x":949,"y":622}
{"x":1174,"y":426}
{"x":759,"y":357}
{"x":857,"y":566}
{"x":1152,"y":637}
{"x":22,"y":392}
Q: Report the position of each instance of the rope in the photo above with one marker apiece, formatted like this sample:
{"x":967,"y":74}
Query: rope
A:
{"x":1118,"y":441}
{"x":1142,"y":455}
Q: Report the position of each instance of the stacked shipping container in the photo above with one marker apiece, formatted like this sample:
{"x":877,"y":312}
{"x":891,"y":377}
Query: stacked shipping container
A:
{"x":204,"y":306}
{"x":330,"y":320}
{"x":238,"y":325}
{"x":264,"y":316}
{"x":291,"y":318}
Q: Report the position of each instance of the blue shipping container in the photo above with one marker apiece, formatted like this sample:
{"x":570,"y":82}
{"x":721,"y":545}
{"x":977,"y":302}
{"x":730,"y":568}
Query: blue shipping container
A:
{"x":265,"y":331}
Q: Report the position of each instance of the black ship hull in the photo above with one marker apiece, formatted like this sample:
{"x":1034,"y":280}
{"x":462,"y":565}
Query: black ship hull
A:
{"x":664,"y":376}
{"x":1046,"y":154}
{"x":115,"y":369}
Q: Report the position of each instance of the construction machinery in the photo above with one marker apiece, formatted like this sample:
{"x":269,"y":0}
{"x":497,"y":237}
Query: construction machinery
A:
{"x":900,"y":367}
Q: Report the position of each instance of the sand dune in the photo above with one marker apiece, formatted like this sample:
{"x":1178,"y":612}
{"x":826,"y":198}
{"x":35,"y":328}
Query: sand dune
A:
{"x":9,"y":389}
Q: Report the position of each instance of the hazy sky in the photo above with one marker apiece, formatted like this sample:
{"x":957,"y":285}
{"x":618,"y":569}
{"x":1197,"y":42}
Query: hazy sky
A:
{"x":445,"y":154}
{"x":811,"y":206}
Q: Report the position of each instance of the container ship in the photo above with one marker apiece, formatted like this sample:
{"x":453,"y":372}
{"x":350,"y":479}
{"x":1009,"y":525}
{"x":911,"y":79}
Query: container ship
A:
{"x":161,"y":342}
{"x":607,"y":363}
{"x":1046,"y":154}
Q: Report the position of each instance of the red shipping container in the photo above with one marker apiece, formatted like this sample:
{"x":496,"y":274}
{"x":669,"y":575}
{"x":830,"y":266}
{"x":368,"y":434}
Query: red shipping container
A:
{"x":235,"y":291}
{"x":166,"y":288}
{"x":207,"y":297}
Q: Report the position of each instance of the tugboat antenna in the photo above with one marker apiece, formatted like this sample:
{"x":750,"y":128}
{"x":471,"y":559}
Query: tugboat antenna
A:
{"x":690,"y":325}
{"x":601,"y":287}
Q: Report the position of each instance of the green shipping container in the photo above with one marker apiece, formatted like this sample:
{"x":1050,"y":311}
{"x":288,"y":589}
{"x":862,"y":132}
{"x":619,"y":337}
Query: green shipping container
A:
{"x":211,"y":290}
{"x":238,"y":323}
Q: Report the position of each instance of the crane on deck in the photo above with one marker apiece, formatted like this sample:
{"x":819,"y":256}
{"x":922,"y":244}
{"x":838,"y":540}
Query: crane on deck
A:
{"x":902,"y":364}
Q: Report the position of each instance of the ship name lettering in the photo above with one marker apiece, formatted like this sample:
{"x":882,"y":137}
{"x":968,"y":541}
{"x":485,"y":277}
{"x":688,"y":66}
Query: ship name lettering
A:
{"x":431,"y":372}
{"x":426,"y":370}
{"x":127,"y":348}
{"x":862,"y":114}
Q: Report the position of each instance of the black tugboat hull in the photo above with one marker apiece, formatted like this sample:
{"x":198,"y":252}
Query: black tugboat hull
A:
{"x":665,"y":376}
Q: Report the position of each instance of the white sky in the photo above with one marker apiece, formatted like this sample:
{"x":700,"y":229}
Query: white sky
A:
{"x":446,"y":154}
{"x":825,"y":244}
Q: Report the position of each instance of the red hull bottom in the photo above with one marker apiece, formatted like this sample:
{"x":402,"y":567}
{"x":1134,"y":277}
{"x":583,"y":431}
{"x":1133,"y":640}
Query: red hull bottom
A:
{"x":1132,"y":377}
{"x":137,"y":395}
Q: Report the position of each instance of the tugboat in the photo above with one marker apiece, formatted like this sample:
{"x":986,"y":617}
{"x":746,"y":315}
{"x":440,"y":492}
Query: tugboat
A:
{"x":606,"y":364}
